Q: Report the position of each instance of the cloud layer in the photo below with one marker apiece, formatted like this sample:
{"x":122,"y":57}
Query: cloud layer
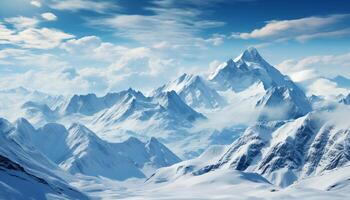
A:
{"x":302,"y":29}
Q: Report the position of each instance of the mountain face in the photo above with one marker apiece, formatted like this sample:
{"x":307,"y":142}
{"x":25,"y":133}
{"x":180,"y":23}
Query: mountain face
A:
{"x":345,"y":100}
{"x":166,"y":106}
{"x":79,"y":150}
{"x":282,"y":103}
{"x":24,"y":170}
{"x":194,"y":91}
{"x":286,"y":151}
{"x":240,"y":73}
{"x":90,"y":104}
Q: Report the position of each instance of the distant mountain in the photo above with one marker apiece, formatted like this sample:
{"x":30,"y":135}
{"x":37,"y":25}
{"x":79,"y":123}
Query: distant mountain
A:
{"x":194,"y":91}
{"x":342,"y":81}
{"x":27,"y":174}
{"x":90,"y":104}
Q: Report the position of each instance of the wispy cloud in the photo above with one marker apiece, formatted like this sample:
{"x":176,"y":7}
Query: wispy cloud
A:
{"x":166,"y":24}
{"x":90,"y":5}
{"x":299,"y":29}
{"x":36,"y":3}
{"x":326,"y":88}
{"x":49,"y":16}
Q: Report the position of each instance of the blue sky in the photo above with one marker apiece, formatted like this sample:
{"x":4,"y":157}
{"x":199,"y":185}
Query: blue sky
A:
{"x":80,"y":46}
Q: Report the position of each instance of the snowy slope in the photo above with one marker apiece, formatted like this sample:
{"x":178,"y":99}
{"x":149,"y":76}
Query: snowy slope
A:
{"x":284,"y":152}
{"x":171,"y":173}
{"x":79,"y":150}
{"x":25,"y":173}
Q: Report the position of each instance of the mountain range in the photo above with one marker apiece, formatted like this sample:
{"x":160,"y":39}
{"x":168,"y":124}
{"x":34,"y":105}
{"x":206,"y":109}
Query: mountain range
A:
{"x":246,"y":124}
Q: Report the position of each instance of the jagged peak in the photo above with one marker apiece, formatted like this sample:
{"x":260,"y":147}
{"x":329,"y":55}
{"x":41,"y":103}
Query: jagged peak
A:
{"x":81,"y":129}
{"x":5,"y":125}
{"x":251,"y":54}
{"x":133,"y":140}
{"x":23,"y":123}
{"x":154,"y":142}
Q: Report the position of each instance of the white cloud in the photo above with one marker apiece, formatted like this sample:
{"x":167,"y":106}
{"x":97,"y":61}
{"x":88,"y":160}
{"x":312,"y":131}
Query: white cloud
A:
{"x":6,"y":53}
{"x":31,"y":37}
{"x":126,"y":67}
{"x":92,"y":47}
{"x":36,"y":3}
{"x":47,"y":81}
{"x":300,"y":29}
{"x":75,"y":5}
{"x":21,"y":22}
{"x":43,"y":38}
{"x":49,"y":16}
{"x":326,"y":88}
{"x":310,"y":67}
{"x":314,"y":73}
{"x":26,"y":58}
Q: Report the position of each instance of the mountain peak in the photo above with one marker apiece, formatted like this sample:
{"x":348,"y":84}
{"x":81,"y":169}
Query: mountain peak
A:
{"x":250,"y":55}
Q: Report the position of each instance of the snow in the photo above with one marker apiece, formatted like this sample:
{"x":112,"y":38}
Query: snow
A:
{"x":26,"y":173}
{"x":79,"y":150}
{"x":195,"y":91}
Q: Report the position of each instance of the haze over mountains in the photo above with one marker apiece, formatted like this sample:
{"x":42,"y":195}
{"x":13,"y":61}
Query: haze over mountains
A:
{"x":246,"y":125}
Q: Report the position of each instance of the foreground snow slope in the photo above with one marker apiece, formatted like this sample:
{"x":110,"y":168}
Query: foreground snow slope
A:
{"x":172,"y":183}
{"x":25,"y":173}
{"x":79,"y":150}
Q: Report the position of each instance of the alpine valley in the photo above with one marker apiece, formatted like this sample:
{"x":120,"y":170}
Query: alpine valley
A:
{"x":244,"y":132}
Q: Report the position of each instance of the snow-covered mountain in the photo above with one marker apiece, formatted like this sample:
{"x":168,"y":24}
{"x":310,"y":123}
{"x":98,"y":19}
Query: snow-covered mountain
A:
{"x":167,"y":107}
{"x":248,"y":68}
{"x":26,"y":174}
{"x":90,"y":104}
{"x":193,"y":90}
{"x":277,"y":93}
{"x":286,"y":151}
{"x":79,"y":150}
